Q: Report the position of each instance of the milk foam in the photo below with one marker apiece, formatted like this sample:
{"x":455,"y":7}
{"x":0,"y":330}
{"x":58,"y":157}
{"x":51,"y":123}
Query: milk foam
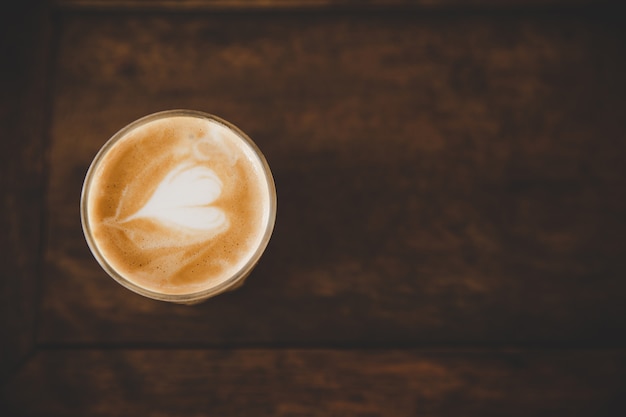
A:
{"x":182,"y":199}
{"x":179,"y":204}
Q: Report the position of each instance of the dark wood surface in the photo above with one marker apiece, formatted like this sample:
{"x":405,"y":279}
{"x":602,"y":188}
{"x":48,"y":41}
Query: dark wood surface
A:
{"x":450,"y":232}
{"x":285,"y":382}
{"x":23,"y":117}
{"x":194,"y":5}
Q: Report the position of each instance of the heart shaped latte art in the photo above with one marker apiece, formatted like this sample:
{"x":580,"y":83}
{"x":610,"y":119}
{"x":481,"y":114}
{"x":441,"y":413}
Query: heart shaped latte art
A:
{"x":183,"y":198}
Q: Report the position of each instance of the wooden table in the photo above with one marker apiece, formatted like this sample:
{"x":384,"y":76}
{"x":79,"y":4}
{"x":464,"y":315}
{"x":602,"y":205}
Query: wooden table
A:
{"x":451,"y":232}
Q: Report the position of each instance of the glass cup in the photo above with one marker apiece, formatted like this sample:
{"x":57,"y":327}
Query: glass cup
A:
{"x":118,"y":243}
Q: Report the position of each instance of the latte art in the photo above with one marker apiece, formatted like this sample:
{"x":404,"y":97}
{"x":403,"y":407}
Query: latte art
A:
{"x":178,"y":205}
{"x":182,"y":200}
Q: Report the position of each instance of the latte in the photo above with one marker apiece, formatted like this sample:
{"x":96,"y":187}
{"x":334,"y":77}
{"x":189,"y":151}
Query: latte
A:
{"x":178,"y":206}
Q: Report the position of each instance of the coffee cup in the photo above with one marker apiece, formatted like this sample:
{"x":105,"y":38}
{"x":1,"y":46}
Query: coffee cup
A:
{"x":178,"y":206}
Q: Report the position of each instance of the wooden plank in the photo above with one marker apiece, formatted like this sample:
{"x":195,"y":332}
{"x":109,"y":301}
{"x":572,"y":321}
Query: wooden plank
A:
{"x":319,"y":383}
{"x":194,"y":5}
{"x":23,"y":47}
{"x":449,"y":179}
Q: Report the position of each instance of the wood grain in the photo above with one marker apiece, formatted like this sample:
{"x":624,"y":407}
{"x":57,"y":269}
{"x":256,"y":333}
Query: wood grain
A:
{"x":319,"y":383}
{"x":24,"y":52}
{"x":441,"y":180}
{"x":193,"y":5}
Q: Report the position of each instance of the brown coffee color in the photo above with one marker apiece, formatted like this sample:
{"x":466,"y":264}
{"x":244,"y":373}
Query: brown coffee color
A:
{"x":178,"y":205}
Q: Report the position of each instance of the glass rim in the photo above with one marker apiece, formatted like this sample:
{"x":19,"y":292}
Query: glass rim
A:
{"x":196,"y":296}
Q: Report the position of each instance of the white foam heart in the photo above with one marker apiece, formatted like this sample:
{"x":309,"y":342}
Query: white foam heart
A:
{"x":183,"y":199}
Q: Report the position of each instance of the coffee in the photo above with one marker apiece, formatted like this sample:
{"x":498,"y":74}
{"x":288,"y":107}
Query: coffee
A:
{"x":178,"y":206}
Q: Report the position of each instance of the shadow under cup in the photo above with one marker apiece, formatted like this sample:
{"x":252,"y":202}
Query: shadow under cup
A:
{"x":138,"y":264}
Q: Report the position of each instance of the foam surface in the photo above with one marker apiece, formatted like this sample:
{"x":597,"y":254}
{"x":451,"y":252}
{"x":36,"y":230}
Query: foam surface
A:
{"x":183,"y":200}
{"x":178,"y":205}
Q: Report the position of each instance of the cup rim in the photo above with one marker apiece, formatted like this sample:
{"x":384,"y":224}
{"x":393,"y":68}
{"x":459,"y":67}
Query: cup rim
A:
{"x":197,"y":296}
